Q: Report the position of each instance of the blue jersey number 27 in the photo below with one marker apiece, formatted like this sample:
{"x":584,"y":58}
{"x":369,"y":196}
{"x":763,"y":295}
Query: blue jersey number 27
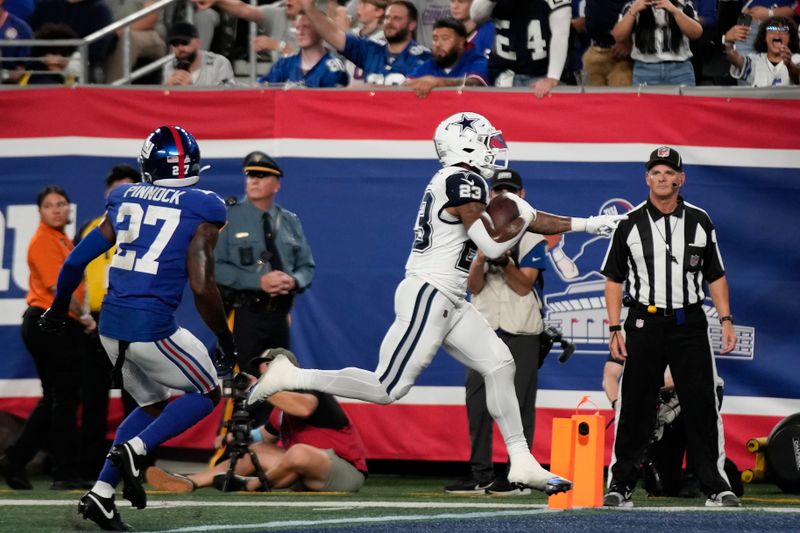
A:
{"x":126,"y":259}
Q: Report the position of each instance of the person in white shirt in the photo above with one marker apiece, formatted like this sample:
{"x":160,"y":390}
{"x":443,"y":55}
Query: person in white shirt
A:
{"x":191,"y":65}
{"x":776,"y":55}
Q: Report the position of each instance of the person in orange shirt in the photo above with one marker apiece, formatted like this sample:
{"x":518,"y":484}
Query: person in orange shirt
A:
{"x":52,"y":423}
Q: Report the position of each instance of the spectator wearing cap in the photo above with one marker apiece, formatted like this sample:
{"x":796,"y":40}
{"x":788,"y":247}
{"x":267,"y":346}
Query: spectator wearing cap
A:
{"x":666,"y":257}
{"x":193,"y":66}
{"x":452,"y":63}
{"x":312,"y":66}
{"x":506,"y":291}
{"x":308,"y":443}
{"x":263,"y":260}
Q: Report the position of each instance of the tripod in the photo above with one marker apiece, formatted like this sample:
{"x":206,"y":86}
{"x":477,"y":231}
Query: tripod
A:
{"x":239,"y":426}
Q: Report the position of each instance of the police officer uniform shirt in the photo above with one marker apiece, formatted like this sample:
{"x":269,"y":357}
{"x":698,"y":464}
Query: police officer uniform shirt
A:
{"x":671,"y":256}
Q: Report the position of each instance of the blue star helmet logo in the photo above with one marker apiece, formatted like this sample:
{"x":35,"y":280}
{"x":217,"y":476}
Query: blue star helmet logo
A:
{"x":466,"y":123}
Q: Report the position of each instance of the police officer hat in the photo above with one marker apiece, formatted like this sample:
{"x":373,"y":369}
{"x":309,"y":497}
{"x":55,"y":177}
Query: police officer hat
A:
{"x":268,"y":355}
{"x":261,"y":162}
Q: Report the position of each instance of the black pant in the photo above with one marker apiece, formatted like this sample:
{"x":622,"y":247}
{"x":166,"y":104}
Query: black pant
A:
{"x":52,"y":423}
{"x":525,"y":350}
{"x":255,"y":330}
{"x":653,"y":342}
{"x":95,"y":385}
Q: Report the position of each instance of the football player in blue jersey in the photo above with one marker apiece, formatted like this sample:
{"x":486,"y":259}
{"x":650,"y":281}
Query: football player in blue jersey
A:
{"x":383,"y":64}
{"x":165,"y":233}
{"x":453,"y":63}
{"x":312,"y":66}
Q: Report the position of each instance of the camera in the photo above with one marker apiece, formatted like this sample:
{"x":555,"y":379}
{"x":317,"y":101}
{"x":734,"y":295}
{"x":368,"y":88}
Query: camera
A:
{"x":183,"y":64}
{"x":240,"y":423}
{"x":549,"y":337}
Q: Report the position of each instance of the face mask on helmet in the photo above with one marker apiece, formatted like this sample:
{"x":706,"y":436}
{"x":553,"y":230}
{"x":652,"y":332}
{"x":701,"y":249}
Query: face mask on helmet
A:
{"x":170,"y":157}
{"x":471,"y":139}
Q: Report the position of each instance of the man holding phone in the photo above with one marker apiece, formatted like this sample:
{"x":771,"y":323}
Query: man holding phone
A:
{"x":193,"y":66}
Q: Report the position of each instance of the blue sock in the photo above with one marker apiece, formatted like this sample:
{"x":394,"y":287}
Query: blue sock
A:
{"x":178,"y":416}
{"x":133,"y":424}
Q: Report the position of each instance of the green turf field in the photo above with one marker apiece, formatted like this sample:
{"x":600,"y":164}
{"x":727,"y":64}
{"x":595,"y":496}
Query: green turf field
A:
{"x":384,"y":500}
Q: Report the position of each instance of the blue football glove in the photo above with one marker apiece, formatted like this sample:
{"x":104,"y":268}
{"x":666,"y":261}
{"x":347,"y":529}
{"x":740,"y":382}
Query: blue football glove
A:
{"x":52,"y":321}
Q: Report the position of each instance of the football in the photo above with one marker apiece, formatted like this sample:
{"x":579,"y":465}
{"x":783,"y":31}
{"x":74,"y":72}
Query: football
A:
{"x":502,"y":210}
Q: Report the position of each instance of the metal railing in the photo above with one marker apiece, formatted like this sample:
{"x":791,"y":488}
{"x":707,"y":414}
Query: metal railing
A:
{"x":124,"y":24}
{"x":84,"y":43}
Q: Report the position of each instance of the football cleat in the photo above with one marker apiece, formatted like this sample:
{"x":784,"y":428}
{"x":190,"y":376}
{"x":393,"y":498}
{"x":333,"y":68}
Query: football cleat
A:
{"x":618,"y":497}
{"x":556,"y":485}
{"x":723,"y":499}
{"x":102,"y":512}
{"x":469,"y":486}
{"x":130,"y":466}
{"x":281,"y":375}
{"x":525,"y":470}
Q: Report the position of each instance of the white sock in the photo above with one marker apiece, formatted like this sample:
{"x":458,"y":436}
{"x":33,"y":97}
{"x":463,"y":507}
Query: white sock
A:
{"x":138,"y":446}
{"x":103,"y":489}
{"x":501,"y":401}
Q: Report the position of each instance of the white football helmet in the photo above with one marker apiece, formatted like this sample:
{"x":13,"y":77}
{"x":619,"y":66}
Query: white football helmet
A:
{"x":471,"y":139}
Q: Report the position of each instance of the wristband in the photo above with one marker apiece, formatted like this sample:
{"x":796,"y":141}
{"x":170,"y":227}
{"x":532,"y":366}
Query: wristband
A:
{"x":770,"y":13}
{"x":729,"y":318}
{"x":612,"y":329}
{"x":577,"y":224}
{"x":256,"y":435}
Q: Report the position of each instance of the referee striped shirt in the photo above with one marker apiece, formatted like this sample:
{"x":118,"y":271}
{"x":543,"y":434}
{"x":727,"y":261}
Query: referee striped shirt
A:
{"x":664,"y":259}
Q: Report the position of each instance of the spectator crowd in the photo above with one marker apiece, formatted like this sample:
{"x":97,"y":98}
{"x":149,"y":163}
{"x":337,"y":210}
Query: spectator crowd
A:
{"x":422,"y":44}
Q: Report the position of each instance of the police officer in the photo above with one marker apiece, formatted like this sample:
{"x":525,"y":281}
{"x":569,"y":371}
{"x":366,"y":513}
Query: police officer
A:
{"x":664,"y":253}
{"x":262,"y":260}
{"x":503,"y":292}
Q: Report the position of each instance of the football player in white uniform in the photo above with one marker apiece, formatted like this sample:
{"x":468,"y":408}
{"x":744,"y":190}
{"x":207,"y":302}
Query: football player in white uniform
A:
{"x":430,"y":305}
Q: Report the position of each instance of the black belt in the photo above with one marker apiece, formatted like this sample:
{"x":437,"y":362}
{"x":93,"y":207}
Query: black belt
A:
{"x":256,"y":300}
{"x":658,"y":311}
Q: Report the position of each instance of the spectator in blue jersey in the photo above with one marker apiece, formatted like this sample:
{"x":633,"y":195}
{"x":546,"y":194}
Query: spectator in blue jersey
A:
{"x":21,"y":8}
{"x":531,"y":41}
{"x":481,"y":37}
{"x":312,"y":66}
{"x":453,"y":62}
{"x":383,"y":64}
{"x":11,"y":28}
{"x":165,"y":231}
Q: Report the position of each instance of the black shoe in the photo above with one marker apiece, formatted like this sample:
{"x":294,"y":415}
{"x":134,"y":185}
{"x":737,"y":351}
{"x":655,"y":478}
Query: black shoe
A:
{"x":131,"y":466}
{"x":502,"y":487}
{"x":618,"y":497}
{"x":234,"y":483}
{"x":470,"y":486}
{"x":14,"y":475}
{"x":723,"y":499}
{"x":102,"y":512}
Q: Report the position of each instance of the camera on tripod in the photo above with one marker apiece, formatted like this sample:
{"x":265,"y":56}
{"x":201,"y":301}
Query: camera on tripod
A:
{"x":549,"y":337}
{"x":240,"y":423}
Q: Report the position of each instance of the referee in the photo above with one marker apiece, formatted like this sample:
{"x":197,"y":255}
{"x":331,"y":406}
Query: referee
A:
{"x":664,"y":253}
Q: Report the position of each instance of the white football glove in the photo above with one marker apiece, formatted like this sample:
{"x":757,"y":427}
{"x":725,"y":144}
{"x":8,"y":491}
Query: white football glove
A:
{"x":603,"y":225}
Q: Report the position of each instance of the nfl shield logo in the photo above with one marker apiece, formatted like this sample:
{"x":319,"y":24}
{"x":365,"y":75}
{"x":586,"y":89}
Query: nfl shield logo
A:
{"x":694,"y":260}
{"x":663,"y":151}
{"x":640,"y":323}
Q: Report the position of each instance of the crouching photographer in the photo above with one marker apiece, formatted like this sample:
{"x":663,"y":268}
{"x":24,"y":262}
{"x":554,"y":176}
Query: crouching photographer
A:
{"x":305,"y":442}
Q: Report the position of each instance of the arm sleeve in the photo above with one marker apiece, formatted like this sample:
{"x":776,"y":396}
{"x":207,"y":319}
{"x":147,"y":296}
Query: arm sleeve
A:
{"x":536,"y":257}
{"x":559,"y":41}
{"x":71,"y":273}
